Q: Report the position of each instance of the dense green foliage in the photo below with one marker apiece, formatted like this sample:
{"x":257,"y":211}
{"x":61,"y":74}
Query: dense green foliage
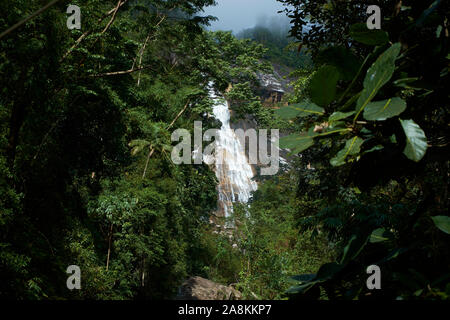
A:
{"x":376,"y":136}
{"x":266,"y":245}
{"x":273,"y":244}
{"x":86,"y":176}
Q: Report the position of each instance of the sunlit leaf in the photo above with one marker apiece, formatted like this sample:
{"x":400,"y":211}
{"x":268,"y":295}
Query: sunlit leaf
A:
{"x":352,"y":147}
{"x":376,"y":148}
{"x":305,"y":108}
{"x":403,"y":81}
{"x":296,"y":142}
{"x":336,"y":116}
{"x":380,"y":235}
{"x":377,"y":76}
{"x":382,"y":110}
{"x":416,"y":141}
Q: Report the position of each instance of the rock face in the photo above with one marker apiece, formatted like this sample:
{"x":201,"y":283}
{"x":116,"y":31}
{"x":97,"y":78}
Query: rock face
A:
{"x":197,"y":288}
{"x":272,"y":90}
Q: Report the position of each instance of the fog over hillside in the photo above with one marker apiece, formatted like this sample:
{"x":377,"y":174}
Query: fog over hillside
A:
{"x":237,"y":15}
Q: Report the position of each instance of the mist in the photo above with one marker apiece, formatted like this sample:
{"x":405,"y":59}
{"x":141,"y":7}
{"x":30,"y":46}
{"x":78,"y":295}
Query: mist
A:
{"x":237,"y":15}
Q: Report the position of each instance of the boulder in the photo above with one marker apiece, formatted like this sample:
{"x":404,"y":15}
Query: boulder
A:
{"x":197,"y":288}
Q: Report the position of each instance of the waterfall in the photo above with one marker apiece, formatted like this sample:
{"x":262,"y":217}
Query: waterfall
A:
{"x":232,"y":168}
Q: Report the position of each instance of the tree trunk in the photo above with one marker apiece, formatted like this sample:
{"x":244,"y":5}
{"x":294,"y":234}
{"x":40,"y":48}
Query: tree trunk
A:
{"x":16,"y":122}
{"x":109,"y":246}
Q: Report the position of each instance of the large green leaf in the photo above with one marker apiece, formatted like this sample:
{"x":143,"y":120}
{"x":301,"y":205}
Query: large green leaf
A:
{"x":354,"y":247}
{"x":352,"y":147}
{"x":416,"y":141}
{"x":301,"y":289}
{"x":359,"y":32}
{"x":377,"y":76}
{"x":376,"y":148}
{"x":342,"y":58}
{"x":305,"y":108}
{"x":323,"y":85}
{"x":327,"y":271}
{"x":350,"y":101}
{"x":382,"y":110}
{"x":442,"y":222}
{"x":380,"y":235}
{"x":336,"y":116}
{"x":303,"y":277}
{"x":404,"y":82}
{"x":296,"y":142}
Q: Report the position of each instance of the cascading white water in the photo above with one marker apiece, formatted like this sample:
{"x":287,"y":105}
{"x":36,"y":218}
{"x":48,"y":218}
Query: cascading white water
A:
{"x":232,"y":168}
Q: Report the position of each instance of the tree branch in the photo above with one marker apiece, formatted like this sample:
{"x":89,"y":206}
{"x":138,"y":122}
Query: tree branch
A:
{"x":84,"y":35}
{"x":113,"y":17}
{"x":178,"y":115}
{"x":152,"y":150}
{"x":141,"y":53}
{"x":35,"y":14}
{"x":115,"y":73}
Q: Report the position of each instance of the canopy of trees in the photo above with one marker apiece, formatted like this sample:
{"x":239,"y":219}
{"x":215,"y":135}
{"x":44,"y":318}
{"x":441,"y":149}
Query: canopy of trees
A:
{"x":86,"y":176}
{"x":86,"y":116}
